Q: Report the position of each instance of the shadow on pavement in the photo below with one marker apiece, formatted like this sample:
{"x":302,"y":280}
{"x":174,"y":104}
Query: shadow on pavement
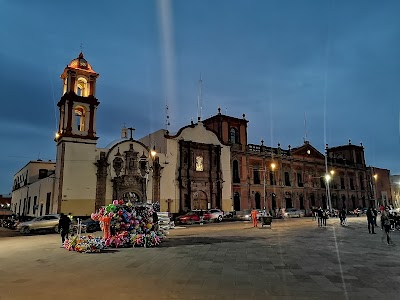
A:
{"x":203,"y":240}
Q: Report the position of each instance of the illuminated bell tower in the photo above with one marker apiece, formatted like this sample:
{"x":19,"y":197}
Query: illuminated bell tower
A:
{"x":76,"y":138}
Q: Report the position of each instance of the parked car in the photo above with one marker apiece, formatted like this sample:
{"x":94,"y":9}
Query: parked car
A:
{"x":293,"y":212}
{"x":244,"y":215}
{"x":192,"y":217}
{"x":216,"y":214}
{"x":46,"y":222}
{"x":90,"y":225}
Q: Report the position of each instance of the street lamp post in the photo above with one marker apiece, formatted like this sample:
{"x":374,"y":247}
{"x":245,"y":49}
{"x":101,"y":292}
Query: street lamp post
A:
{"x":153,"y":154}
{"x":327,"y":178}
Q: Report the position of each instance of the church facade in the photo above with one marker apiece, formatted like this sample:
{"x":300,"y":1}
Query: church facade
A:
{"x":181,"y":172}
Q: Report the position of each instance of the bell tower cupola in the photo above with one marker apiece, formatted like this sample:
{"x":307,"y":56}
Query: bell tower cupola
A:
{"x":78,"y":103}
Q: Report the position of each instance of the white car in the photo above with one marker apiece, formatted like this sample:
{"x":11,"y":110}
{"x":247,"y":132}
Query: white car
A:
{"x":46,"y":222}
{"x":293,"y":212}
{"x":216,"y":214}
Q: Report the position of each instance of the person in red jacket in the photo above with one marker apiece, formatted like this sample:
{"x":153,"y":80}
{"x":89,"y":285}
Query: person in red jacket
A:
{"x":254,"y":217}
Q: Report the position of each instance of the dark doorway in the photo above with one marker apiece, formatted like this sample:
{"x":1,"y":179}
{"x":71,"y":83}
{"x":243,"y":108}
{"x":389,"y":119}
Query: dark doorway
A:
{"x":24,"y":208}
{"x":273,"y":196}
{"x":334,"y":201}
{"x":41,"y":209}
{"x":28,"y":206}
{"x":301,"y":200}
{"x":187,"y":202}
{"x":236,"y":201}
{"x":343,"y":201}
{"x":48,"y":199}
{"x":353,"y":200}
{"x":363,"y":201}
{"x":312,"y":197}
{"x":289,"y":202}
{"x":323,"y":202}
{"x":257,"y":199}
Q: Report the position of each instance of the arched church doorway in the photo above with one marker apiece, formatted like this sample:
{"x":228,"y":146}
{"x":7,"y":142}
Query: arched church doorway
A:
{"x":257,"y":200}
{"x":236,"y":201}
{"x":200,"y":200}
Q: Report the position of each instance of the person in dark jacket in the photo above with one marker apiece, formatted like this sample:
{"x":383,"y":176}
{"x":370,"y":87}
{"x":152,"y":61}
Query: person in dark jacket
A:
{"x":370,"y":219}
{"x":342,"y":216}
{"x":63,"y":227}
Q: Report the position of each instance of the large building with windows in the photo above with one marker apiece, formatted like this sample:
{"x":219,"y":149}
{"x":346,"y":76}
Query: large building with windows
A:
{"x":296,"y":177}
{"x":208,"y":164}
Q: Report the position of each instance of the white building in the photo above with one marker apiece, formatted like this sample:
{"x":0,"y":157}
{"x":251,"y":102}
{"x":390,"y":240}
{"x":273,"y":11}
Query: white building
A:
{"x":184,"y":171}
{"x":33,"y":189}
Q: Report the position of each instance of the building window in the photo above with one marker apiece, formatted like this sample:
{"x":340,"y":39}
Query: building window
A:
{"x":301,"y":200}
{"x":322,"y":182}
{"x":342,"y":185}
{"x":272,"y":180}
{"x":312,"y":198}
{"x":256,"y":175}
{"x":29,"y":206}
{"x":299,"y":180}
{"x":233,"y":136}
{"x":80,"y":116}
{"x":199,"y":163}
{"x":81,"y":87}
{"x":361,"y":182}
{"x":358,"y":158}
{"x":287,"y":179}
{"x":351,"y":184}
{"x":34,"y":204}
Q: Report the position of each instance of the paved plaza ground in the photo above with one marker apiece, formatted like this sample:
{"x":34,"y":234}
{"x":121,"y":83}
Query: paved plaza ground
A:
{"x":293,"y":260}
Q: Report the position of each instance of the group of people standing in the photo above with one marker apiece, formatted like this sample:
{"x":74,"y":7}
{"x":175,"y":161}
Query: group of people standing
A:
{"x":321,"y":215}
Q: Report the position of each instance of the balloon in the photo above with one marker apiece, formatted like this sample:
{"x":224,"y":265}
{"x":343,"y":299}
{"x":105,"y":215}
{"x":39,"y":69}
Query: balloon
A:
{"x":115,"y":202}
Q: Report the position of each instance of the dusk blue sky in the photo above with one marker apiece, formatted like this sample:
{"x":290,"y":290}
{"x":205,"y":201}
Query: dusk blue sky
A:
{"x":272,"y":60}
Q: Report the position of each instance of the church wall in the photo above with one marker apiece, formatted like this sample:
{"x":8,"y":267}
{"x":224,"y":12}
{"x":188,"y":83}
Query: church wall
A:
{"x":79,"y":179}
{"x":199,"y":134}
{"x":169,"y":185}
{"x":111,"y":173}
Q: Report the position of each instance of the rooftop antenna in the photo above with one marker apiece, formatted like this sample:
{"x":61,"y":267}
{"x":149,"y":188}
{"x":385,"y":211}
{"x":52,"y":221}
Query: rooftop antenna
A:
{"x":200,"y":100}
{"x":167,"y":123}
{"x":81,"y":46}
{"x":305,"y":127}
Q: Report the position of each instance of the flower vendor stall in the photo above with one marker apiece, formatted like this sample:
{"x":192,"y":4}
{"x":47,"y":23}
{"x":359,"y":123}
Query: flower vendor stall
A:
{"x":124,"y":224}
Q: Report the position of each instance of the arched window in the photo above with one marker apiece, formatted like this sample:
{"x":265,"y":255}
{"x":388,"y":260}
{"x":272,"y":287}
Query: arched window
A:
{"x":81,"y":87}
{"x":80,"y":115}
{"x":236,"y":176}
{"x":233,"y":135}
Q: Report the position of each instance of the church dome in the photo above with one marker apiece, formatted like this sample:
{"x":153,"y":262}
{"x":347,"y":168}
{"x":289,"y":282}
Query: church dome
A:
{"x":81,"y":63}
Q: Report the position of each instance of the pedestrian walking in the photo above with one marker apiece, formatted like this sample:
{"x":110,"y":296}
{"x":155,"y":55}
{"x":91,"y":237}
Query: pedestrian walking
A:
{"x":385,"y":221}
{"x":370,"y":220}
{"x":201,"y":217}
{"x":254,"y":217}
{"x":342,"y":217}
{"x":320,"y":214}
{"x":375,"y":212}
{"x":63,"y":227}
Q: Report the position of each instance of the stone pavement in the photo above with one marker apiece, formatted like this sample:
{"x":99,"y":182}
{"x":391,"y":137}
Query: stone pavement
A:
{"x":293,"y":260}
